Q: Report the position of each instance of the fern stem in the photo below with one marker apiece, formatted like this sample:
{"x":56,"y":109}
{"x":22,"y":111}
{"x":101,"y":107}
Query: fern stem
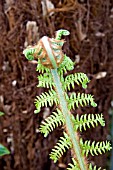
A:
{"x":63,"y":105}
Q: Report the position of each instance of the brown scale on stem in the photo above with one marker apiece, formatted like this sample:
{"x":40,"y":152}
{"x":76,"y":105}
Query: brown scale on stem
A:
{"x":56,"y":48}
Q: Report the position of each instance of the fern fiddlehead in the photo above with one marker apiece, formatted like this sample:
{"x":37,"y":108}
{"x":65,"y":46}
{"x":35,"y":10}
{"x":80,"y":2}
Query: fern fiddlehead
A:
{"x":52,"y":63}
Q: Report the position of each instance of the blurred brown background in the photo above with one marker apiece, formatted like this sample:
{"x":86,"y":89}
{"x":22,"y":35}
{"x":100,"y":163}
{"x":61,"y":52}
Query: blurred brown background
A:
{"x":90,"y":44}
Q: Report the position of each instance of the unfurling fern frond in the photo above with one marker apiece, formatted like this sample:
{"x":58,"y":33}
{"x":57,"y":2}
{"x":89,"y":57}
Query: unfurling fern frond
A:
{"x":94,"y":148}
{"x":94,"y":168}
{"x":52,"y":122}
{"x":45,"y":80}
{"x":63,"y":144}
{"x":81,"y":122}
{"x":79,"y":78}
{"x":73,"y":166}
{"x":41,"y":68}
{"x":82,"y":99}
{"x":61,"y":32}
{"x":66,"y":65}
{"x":46,"y":98}
{"x":53,"y":64}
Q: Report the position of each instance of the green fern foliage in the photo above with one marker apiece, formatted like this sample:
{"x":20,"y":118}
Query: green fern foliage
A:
{"x":63,"y":144}
{"x":46,"y":98}
{"x":53,"y":121}
{"x":79,"y":123}
{"x":45,"y":80}
{"x":94,"y":168}
{"x":80,"y":99}
{"x":94,"y":148}
{"x":78,"y":78}
{"x":83,"y":121}
{"x":52,"y":77}
{"x":41,"y":68}
{"x":73,"y":165}
{"x":66,"y":65}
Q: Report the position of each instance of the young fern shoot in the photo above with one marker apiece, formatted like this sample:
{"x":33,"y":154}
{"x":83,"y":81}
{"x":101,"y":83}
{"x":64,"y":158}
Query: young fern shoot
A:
{"x":52,"y":64}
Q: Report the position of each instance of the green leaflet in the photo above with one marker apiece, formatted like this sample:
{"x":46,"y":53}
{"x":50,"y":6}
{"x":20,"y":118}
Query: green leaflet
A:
{"x":62,"y":145}
{"x":53,"y":121}
{"x":80,"y":99}
{"x":73,"y":165}
{"x":90,"y":120}
{"x":94,"y":148}
{"x":46,"y":80}
{"x":78,"y":78}
{"x":94,"y":168}
{"x":47,"y":98}
{"x":66,"y":65}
